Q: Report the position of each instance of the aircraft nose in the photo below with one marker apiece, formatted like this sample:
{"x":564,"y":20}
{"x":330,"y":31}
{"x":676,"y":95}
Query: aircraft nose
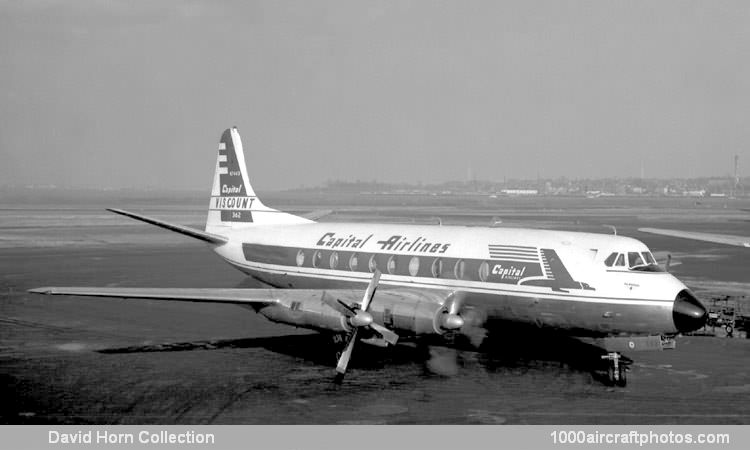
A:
{"x":688,"y":313}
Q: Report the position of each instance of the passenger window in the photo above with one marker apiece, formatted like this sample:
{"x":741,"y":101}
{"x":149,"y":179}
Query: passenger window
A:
{"x":437,"y":267}
{"x":484,"y":271}
{"x":414,"y":266}
{"x":610,"y":260}
{"x":317,"y":257}
{"x":373,"y":264}
{"x":334,"y":260}
{"x":392,"y":265}
{"x":300,"y":258}
{"x":459,"y":270}
{"x":620,"y":260}
{"x":635,"y":259}
{"x":353,"y":261}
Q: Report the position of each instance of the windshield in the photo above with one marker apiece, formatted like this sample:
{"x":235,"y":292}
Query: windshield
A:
{"x":643,"y":262}
{"x":635,"y":259}
{"x":640,"y":261}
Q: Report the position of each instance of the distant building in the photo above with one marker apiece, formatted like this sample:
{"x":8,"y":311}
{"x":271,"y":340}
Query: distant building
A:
{"x":520,"y":191}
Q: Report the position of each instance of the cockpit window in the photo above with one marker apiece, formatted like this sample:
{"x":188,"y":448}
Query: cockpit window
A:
{"x":648,"y":263}
{"x":639,"y":261}
{"x":610,"y":259}
{"x":635,"y":259}
{"x":648,"y":257}
{"x":620,"y":260}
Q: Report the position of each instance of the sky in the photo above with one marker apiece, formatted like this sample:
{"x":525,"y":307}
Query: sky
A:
{"x":116,"y":93}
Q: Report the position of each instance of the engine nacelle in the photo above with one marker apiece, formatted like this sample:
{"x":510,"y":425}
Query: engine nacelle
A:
{"x":310,"y":313}
{"x":410,"y":312}
{"x":404,"y":311}
{"x":407,"y":312}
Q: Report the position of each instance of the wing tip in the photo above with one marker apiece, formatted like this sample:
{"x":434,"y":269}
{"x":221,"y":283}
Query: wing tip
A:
{"x":41,"y":290}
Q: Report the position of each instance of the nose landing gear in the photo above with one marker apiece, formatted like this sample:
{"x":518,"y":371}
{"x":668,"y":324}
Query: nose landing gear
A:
{"x":616,"y":369}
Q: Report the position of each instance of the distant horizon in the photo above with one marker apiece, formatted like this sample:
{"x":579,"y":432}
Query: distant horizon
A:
{"x":119,"y":94}
{"x":744,"y":181}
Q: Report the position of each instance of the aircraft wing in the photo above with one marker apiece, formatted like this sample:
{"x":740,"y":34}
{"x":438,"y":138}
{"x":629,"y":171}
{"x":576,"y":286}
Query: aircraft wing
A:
{"x":727,"y":239}
{"x":217,"y":295}
{"x":206,"y":295}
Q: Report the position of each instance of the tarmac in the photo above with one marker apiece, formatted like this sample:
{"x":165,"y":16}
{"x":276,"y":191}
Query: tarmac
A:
{"x":73,"y":360}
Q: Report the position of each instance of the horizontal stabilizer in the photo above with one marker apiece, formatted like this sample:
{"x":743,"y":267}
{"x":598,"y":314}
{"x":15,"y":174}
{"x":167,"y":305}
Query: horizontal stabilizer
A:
{"x":192,"y":232}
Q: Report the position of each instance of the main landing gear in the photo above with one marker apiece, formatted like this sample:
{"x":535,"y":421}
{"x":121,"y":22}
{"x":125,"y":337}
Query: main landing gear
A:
{"x":616,"y":369}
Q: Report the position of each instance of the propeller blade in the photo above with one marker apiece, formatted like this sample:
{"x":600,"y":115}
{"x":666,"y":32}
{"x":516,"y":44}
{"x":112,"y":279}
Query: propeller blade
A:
{"x":346,"y":354}
{"x":387,"y":334}
{"x":339,"y":306}
{"x":455,"y":302}
{"x":473,"y":328}
{"x":370,"y":292}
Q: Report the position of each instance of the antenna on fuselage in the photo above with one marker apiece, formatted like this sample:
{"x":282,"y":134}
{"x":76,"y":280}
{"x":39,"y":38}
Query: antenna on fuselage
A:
{"x":614,"y":229}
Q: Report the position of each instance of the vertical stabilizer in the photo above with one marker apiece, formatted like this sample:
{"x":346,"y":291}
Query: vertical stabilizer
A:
{"x":233,"y":201}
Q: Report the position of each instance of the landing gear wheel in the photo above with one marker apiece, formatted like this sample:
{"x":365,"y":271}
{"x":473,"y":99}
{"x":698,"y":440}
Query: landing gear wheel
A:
{"x":729,"y":329}
{"x":610,"y":375}
{"x":623,"y":381}
{"x":616,"y":369}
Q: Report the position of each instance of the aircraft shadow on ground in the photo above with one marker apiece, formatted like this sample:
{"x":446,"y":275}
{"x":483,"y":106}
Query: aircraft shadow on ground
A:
{"x":525,"y":346}
{"x":511,"y":349}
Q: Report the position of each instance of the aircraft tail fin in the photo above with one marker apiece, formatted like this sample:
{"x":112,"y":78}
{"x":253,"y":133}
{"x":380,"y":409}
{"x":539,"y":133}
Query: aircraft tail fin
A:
{"x":233,"y":202}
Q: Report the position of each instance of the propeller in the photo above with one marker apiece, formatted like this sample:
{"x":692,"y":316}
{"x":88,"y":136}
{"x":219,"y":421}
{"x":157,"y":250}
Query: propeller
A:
{"x":451,"y":320}
{"x":359,"y":317}
{"x":462,"y":320}
{"x":467,"y":321}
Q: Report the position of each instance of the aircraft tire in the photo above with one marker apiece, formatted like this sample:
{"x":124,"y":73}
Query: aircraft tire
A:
{"x":729,"y":329}
{"x":623,"y":381}
{"x":610,"y":375}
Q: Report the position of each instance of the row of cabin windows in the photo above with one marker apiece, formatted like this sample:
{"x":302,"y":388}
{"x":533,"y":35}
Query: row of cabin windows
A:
{"x":356,"y":260}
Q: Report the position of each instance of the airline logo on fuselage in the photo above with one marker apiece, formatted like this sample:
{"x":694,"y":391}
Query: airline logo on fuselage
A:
{"x":508,"y":272}
{"x":233,"y":203}
{"x":395,"y":242}
{"x":333,"y":240}
{"x":405,"y":244}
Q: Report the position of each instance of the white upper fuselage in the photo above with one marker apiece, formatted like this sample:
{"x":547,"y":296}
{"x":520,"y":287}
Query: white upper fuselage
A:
{"x":509,"y":266}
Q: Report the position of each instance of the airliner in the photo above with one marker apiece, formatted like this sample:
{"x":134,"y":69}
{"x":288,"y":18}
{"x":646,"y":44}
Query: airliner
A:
{"x":376,"y":283}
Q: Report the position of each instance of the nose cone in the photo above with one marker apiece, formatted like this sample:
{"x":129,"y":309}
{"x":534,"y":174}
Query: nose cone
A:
{"x":688,"y":313}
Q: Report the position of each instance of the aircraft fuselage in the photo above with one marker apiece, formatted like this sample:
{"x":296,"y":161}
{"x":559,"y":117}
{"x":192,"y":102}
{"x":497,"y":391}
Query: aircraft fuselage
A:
{"x":548,"y":278}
